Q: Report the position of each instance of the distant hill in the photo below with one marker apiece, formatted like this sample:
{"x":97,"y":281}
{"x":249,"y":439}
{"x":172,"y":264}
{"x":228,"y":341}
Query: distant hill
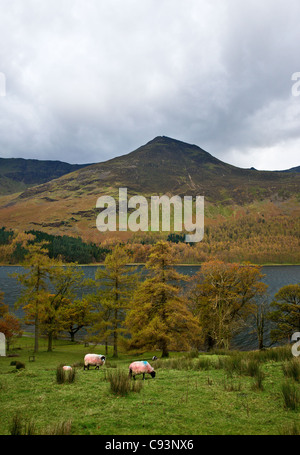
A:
{"x":17,"y":174}
{"x":293,"y":169}
{"x":164,"y":165}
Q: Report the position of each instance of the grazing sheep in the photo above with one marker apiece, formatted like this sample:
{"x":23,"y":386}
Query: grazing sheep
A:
{"x":94,"y":360}
{"x":140,"y":367}
{"x":67,"y":368}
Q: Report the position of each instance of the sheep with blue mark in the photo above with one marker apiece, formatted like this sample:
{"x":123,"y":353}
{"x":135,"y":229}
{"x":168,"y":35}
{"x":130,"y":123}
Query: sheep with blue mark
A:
{"x":141,"y":367}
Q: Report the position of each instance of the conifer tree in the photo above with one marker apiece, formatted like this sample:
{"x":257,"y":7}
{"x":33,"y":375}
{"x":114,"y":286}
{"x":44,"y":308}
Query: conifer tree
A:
{"x":159,"y":317}
{"x":115,"y":283}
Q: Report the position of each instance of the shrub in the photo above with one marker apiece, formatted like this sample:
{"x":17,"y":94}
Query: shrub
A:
{"x":16,"y":425}
{"x":252,"y":368}
{"x":63,"y":376}
{"x":121,"y":384}
{"x":18,"y":428}
{"x":70,"y":376}
{"x":20,"y":365}
{"x":60,"y":375}
{"x":259,"y":377}
{"x":290,"y":395}
{"x":291,"y":369}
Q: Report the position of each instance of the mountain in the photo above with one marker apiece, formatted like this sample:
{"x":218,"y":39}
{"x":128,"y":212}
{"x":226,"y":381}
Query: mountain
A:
{"x":293,"y":169}
{"x":162,"y":166}
{"x":17,"y":174}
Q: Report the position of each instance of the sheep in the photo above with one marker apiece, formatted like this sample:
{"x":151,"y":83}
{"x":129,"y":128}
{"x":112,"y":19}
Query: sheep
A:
{"x":67,"y":368}
{"x":141,"y":367}
{"x":94,"y":359}
{"x":154,"y":358}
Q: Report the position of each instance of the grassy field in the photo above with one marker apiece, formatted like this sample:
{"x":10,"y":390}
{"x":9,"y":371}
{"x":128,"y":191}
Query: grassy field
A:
{"x":217,"y":394}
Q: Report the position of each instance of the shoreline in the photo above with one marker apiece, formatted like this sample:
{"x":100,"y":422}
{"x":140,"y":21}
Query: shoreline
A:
{"x":135,"y":264}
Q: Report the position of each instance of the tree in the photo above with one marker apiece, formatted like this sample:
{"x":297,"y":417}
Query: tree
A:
{"x":159,"y":316}
{"x":286,"y":313}
{"x":9,"y":323}
{"x":15,"y":247}
{"x":34,"y":284}
{"x":222,"y":297}
{"x":76,"y":315}
{"x":55,"y":306}
{"x":115,"y":284}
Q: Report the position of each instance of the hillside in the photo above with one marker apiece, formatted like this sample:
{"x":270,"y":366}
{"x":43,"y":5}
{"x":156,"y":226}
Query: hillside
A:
{"x":66,"y":205}
{"x":17,"y":174}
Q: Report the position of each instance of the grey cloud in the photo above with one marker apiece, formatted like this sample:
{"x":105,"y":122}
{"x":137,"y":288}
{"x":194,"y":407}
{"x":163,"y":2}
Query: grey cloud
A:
{"x":87,"y":81}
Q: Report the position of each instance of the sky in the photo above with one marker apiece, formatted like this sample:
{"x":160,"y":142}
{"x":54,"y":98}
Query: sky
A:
{"x":86,"y":81}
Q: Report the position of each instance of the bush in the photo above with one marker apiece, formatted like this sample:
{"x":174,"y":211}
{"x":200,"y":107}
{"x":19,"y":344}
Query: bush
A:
{"x":60,"y":375}
{"x":121,"y":384}
{"x":252,"y":367}
{"x":259,"y":377}
{"x":290,"y":395}
{"x":63,"y":376}
{"x":291,"y":369}
{"x":20,"y":365}
{"x":18,"y":428}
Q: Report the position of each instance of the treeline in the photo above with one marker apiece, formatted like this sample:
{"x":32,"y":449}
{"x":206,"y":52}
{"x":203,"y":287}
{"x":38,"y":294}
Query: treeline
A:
{"x":68,"y":249}
{"x":255,"y":238}
{"x":243,"y":237}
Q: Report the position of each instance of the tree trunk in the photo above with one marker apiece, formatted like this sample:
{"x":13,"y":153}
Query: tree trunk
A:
{"x":36,"y":332}
{"x":36,"y":319}
{"x":50,"y":337}
{"x":165,"y":350}
{"x":115,"y":354}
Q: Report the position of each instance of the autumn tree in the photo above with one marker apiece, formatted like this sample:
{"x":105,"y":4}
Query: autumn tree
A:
{"x":76,"y":314}
{"x":114,"y":286}
{"x":158,"y":316}
{"x":17,"y":241}
{"x":34,"y":283}
{"x":285,"y":314}
{"x":222,"y":296}
{"x":56,"y":307}
{"x":9,"y":323}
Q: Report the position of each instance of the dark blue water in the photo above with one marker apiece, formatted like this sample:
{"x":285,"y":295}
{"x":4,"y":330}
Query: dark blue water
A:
{"x":275,"y":277}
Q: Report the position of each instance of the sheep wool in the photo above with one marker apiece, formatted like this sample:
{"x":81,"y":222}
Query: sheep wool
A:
{"x":141,"y":367}
{"x":94,"y":360}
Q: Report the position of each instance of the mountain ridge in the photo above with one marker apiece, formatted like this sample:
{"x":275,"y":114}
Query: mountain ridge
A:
{"x":17,"y":174}
{"x":163,"y":165}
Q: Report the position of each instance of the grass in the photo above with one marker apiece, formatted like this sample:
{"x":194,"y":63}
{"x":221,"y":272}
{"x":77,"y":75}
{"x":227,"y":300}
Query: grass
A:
{"x":191,"y":395}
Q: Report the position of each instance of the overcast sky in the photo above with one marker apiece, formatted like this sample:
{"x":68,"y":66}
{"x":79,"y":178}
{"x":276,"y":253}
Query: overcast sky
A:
{"x":90,"y":80}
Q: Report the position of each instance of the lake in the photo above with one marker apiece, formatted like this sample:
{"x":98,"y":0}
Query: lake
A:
{"x":275,"y":278}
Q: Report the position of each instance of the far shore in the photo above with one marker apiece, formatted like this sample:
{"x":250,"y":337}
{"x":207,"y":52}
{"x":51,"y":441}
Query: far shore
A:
{"x":98,"y":264}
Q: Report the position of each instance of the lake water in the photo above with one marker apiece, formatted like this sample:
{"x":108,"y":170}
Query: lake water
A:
{"x":275,"y":278}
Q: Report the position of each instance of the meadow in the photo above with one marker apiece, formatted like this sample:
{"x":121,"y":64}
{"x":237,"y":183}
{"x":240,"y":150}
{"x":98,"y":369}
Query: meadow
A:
{"x":222,"y":393}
